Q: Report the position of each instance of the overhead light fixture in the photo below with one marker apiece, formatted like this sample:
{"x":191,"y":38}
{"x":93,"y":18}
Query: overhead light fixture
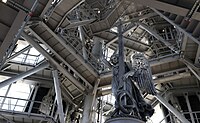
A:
{"x":154,"y":77}
{"x":4,"y":1}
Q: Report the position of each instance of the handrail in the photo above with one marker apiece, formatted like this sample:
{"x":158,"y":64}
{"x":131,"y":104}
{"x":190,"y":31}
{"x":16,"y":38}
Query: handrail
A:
{"x":13,"y":105}
{"x":184,"y":113}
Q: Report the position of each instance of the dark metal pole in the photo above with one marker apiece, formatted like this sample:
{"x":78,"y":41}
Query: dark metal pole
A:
{"x":58,"y":95}
{"x":24,"y":74}
{"x":121,"y":52}
{"x":171,"y":109}
{"x":121,"y":56}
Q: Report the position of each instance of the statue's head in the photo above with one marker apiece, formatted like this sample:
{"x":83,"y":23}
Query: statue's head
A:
{"x":138,"y":60}
{"x":114,"y":59}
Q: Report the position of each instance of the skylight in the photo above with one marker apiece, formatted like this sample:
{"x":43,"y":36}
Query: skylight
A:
{"x":4,"y":1}
{"x":31,"y":56}
{"x":14,"y":97}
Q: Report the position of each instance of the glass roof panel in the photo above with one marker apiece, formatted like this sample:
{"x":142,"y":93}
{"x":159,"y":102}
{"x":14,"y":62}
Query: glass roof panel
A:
{"x":30,"y":56}
{"x":20,"y":45}
{"x":33,"y":51}
{"x":16,"y":97}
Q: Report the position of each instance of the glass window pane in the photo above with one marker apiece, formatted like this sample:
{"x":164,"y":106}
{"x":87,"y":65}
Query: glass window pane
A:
{"x":20,"y":45}
{"x":33,"y":51}
{"x":19,"y":108}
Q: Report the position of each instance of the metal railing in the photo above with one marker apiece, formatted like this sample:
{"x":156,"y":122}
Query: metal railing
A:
{"x":27,"y":107}
{"x":77,"y":45}
{"x":170,"y":118}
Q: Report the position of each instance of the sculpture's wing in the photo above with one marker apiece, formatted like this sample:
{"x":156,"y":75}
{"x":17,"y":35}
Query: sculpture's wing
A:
{"x":143,"y":75}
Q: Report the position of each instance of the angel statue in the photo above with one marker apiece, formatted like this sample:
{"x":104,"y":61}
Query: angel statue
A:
{"x":137,"y":77}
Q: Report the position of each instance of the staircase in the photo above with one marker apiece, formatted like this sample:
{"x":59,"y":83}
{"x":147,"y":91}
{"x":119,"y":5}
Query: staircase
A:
{"x":66,"y":51}
{"x":190,"y":27}
{"x":58,"y":17}
{"x":110,"y":19}
{"x":11,"y":20}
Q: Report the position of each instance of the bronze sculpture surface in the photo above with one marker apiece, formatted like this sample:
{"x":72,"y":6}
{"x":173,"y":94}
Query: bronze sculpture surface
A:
{"x":129,"y":101}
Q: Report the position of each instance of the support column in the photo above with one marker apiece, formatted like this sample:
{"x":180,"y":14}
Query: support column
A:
{"x":54,"y":104}
{"x":194,"y":72}
{"x":5,"y":95}
{"x":66,"y":112}
{"x":53,"y":62}
{"x":85,"y":56}
{"x":24,"y":74}
{"x":87,"y":108}
{"x":94,"y":99}
{"x":171,"y":109}
{"x":33,"y":98}
{"x":189,"y":107}
{"x":58,"y":96}
{"x":82,"y":37}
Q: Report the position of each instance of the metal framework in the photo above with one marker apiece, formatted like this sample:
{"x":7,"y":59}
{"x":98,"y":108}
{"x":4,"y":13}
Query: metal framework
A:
{"x":77,"y":38}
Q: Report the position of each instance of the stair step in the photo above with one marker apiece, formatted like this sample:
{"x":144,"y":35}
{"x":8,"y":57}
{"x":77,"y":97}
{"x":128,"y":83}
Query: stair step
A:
{"x":196,"y":32}
{"x":172,"y":16}
{"x":61,"y":10}
{"x":46,"y":36}
{"x":52,"y":41}
{"x":184,"y":23}
{"x":166,"y":13}
{"x":178,"y":19}
{"x":191,"y":26}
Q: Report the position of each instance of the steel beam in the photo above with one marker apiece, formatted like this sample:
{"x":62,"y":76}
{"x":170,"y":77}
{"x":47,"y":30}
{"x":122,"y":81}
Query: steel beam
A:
{"x":15,"y":35}
{"x":58,"y":96}
{"x":124,"y":34}
{"x":165,"y":59}
{"x":33,"y":98}
{"x":18,"y":53}
{"x":194,"y":72}
{"x":172,"y":78}
{"x":25,"y":115}
{"x":24,"y":74}
{"x":171,"y":109}
{"x":61,"y":59}
{"x":197,"y":59}
{"x":82,"y":38}
{"x":54,"y":63}
{"x":135,"y":19}
{"x":87,"y":109}
{"x":136,"y":41}
{"x":79,"y":23}
{"x":178,"y":27}
{"x":71,"y":50}
{"x":152,"y":32}
{"x":184,"y":43}
{"x":189,"y":108}
{"x":11,"y":35}
{"x":42,"y":81}
{"x":67,"y":96}
{"x":94,"y":93}
{"x":163,"y":6}
{"x":6,"y":94}
{"x":7,"y":119}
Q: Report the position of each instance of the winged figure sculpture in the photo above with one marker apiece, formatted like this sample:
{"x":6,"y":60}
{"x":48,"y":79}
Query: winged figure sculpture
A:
{"x":136,"y":79}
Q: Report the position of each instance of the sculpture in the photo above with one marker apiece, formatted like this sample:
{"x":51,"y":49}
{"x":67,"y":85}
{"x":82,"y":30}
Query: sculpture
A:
{"x":129,"y":101}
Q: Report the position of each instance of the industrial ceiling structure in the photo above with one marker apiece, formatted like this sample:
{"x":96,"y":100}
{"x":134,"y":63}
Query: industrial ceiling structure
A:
{"x":58,"y":52}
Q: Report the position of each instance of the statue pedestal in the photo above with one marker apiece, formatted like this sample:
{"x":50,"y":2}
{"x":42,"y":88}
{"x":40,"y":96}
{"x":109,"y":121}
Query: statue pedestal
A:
{"x":124,"y":120}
